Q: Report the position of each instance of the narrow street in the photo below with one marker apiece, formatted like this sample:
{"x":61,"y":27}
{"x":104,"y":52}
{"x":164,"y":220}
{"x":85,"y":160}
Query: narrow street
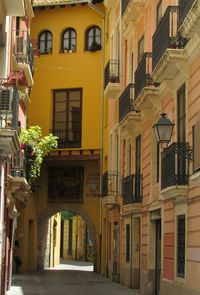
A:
{"x":74,"y":278}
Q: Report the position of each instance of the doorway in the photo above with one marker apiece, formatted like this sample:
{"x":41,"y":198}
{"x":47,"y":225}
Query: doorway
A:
{"x":70,"y":243}
{"x":157,"y":256}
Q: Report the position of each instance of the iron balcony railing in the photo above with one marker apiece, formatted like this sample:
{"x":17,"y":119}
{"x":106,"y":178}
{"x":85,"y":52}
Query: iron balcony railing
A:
{"x":68,"y":138}
{"x":23,"y":49}
{"x":126,"y":101}
{"x":9,"y":106}
{"x":132,"y":189}
{"x":124,"y":4}
{"x":111,"y":72}
{"x":22,"y":162}
{"x":143,"y":73}
{"x":110,"y":185}
{"x":175,"y":165}
{"x":167,"y":35}
{"x":185,"y":6}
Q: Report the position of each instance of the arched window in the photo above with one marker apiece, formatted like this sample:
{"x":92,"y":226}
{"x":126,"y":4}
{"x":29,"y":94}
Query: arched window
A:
{"x":93,"y":38}
{"x":45,"y":42}
{"x":68,"y":40}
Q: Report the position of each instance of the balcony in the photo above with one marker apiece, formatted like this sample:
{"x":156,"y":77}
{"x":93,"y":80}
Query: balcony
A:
{"x":146,"y":90}
{"x":112,"y":79}
{"x":132,"y":189}
{"x":130,"y":120}
{"x":175,"y":171}
{"x":17,"y":193}
{"x":14,"y":8}
{"x":68,"y":138}
{"x":9,"y":98}
{"x":110,"y":187}
{"x":126,"y":102}
{"x":124,"y":4}
{"x":131,"y":11}
{"x":169,"y":59}
{"x":23,"y":56}
{"x":190,"y":25}
{"x":110,"y":183}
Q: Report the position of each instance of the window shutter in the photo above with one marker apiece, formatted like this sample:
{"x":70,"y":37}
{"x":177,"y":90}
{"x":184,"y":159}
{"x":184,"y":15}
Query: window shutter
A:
{"x":197,"y":144}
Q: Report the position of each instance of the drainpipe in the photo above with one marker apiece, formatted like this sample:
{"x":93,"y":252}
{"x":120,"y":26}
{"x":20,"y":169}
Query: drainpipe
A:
{"x":92,"y":6}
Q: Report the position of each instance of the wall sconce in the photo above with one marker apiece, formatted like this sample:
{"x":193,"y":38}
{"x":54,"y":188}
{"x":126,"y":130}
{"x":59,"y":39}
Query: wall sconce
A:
{"x":163,"y":129}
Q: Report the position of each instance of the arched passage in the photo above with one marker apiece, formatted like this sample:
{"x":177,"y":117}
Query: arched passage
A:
{"x":43,"y":253}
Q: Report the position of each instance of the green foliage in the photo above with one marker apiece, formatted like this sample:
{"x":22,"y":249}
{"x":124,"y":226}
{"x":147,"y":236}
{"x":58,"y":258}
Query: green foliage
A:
{"x":38,"y":146}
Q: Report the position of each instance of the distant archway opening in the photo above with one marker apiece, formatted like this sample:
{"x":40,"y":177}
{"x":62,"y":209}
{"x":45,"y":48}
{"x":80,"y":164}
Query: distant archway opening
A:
{"x":45,"y":233}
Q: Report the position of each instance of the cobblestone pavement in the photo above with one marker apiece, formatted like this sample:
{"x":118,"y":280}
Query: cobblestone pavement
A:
{"x":65,"y":280}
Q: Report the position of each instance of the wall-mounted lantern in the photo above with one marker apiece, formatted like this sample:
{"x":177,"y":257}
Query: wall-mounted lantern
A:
{"x":163,"y":129}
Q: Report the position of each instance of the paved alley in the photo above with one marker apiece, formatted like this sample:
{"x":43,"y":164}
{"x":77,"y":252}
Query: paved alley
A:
{"x":66,"y":279}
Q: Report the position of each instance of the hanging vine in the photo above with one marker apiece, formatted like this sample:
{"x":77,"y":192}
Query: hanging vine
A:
{"x":37,"y":147}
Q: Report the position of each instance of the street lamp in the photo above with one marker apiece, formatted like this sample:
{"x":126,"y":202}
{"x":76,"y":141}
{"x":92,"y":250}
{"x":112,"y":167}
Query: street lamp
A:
{"x":163,"y":129}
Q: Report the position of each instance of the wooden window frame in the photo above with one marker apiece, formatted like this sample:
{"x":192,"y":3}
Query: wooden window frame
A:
{"x":69,"y":38}
{"x":46,"y":40}
{"x":140,"y":49}
{"x":66,"y":144}
{"x":181,"y":118}
{"x":138,"y":154}
{"x":95,"y":45}
{"x":158,"y":16}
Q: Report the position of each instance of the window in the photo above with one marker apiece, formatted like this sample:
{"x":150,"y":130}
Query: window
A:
{"x":67,"y":113}
{"x":127,"y":243}
{"x":93,"y":39}
{"x":140,"y":48}
{"x":181,"y":246}
{"x":157,"y":161}
{"x":181,"y":114}
{"x":68,"y":40}
{"x":45,"y":42}
{"x":138,"y":155}
{"x":159,"y":12}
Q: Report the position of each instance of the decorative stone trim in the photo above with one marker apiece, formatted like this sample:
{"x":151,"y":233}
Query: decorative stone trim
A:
{"x":191,"y":24}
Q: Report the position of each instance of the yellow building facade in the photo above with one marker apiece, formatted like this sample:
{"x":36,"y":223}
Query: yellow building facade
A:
{"x":65,"y":100}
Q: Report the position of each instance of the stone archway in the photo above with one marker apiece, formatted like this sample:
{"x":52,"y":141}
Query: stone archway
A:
{"x":43,"y":255}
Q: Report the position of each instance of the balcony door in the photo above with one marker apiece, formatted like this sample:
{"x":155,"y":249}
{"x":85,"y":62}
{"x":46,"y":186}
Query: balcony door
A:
{"x":67,"y":117}
{"x":181,"y":115}
{"x":181,"y":135}
{"x":138,"y":167}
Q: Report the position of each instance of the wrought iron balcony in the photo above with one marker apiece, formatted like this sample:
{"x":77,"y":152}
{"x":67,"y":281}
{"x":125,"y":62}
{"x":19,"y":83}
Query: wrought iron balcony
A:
{"x":132,"y":189}
{"x":143,"y":73}
{"x":9,"y":106}
{"x":110,"y":183}
{"x":167,"y":35}
{"x":126,"y":102}
{"x":124,"y":5}
{"x":111,"y":72}
{"x":68,"y":138}
{"x":175,"y":165}
{"x":185,"y":6}
{"x":23,"y":50}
